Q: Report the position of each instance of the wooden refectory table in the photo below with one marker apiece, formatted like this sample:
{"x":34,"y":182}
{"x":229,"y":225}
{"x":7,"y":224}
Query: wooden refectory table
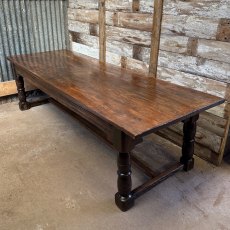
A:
{"x":119,"y":105}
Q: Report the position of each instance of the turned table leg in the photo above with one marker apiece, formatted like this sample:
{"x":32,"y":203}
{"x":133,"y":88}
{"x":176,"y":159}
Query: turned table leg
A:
{"x":23,"y":104}
{"x":189,"y":130}
{"x":124,"y":199}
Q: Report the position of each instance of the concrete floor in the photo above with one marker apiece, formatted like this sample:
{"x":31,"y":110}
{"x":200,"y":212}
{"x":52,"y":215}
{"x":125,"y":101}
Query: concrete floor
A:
{"x":55,"y":174}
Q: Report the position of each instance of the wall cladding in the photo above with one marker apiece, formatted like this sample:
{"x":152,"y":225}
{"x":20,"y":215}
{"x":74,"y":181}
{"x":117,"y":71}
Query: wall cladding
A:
{"x":28,"y":26}
{"x":194,"y":52}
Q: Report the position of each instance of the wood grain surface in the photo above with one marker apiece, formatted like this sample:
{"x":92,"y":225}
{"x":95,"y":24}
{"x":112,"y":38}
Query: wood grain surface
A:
{"x":133,"y":103}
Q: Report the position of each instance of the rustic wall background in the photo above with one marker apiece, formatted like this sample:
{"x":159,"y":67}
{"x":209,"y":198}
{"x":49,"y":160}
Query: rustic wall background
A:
{"x":30,"y":26}
{"x":194,"y":52}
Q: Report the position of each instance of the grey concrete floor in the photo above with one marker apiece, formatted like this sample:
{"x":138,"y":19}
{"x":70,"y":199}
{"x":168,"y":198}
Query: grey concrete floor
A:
{"x":55,"y":174}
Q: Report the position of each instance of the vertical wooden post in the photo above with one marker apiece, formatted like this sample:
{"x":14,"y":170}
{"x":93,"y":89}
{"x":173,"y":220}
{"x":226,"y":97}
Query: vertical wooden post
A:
{"x":155,"y":39}
{"x":136,"y":5}
{"x":102,"y":33}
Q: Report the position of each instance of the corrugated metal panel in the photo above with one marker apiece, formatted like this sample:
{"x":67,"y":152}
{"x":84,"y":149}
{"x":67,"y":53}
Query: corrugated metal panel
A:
{"x":28,"y":26}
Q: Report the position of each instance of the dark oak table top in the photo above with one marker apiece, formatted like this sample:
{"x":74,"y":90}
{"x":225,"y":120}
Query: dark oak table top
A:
{"x":133,"y":103}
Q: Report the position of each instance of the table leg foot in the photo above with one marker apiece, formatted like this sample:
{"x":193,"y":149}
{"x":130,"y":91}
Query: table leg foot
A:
{"x":24,"y":106}
{"x":188,"y":165}
{"x":124,"y":203}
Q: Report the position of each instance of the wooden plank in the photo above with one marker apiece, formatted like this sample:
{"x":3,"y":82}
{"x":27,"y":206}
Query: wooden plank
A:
{"x":204,"y":8}
{"x":198,"y":66}
{"x":191,"y":26}
{"x":9,"y":88}
{"x":119,"y":5}
{"x":128,"y":35}
{"x":102,"y":34}
{"x":111,"y":5}
{"x":193,"y":81}
{"x":80,"y":27}
{"x":83,"y":4}
{"x":83,"y":15}
{"x":91,"y":16}
{"x":174,"y":43}
{"x":85,"y":39}
{"x":155,"y":38}
{"x":143,"y":22}
{"x":215,"y":50}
